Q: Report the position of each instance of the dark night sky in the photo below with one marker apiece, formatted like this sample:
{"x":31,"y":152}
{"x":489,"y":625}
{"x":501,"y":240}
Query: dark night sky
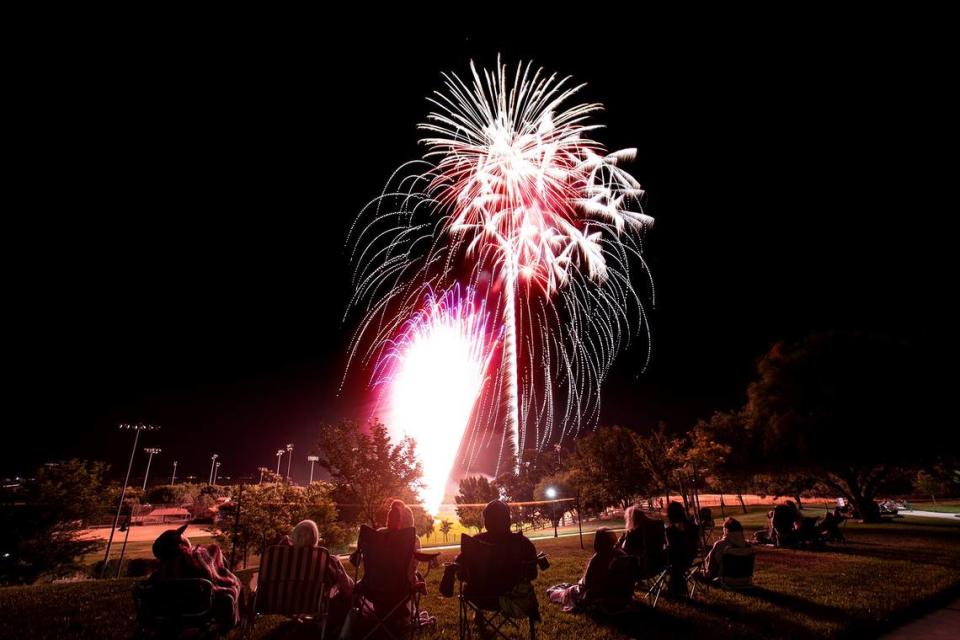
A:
{"x":173,"y":245}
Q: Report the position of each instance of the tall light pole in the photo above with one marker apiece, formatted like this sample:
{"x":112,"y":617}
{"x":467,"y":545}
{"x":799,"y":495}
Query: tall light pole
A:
{"x":173,"y":478}
{"x":137,"y":428}
{"x":152,"y":451}
{"x":216,"y":472}
{"x":279,"y":455}
{"x":551,"y":493}
{"x":262,"y":471}
{"x":312,"y":460}
{"x":213,"y":461}
{"x":289,"y":459}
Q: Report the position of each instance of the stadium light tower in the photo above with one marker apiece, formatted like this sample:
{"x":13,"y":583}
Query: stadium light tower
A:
{"x":136,"y":428}
{"x":213,"y":461}
{"x":173,"y":478}
{"x":280,"y":453}
{"x":312,"y":460}
{"x":151,"y":451}
{"x":289,"y":459}
{"x":216,"y":472}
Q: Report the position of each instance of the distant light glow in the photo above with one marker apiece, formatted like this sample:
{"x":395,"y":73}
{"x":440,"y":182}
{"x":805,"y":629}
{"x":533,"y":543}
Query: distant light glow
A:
{"x":431,"y":378}
{"x":551,"y":493}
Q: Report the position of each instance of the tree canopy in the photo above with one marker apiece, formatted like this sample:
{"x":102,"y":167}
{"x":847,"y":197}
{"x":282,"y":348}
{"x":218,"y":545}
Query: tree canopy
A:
{"x":367,"y":468}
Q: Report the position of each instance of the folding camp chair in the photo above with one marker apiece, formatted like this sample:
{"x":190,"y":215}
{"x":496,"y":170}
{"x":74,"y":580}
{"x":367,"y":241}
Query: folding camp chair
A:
{"x":696,"y":558}
{"x":707,"y":525}
{"x":170,"y":608}
{"x":736,"y":568}
{"x":480,"y":568}
{"x":618,"y":599}
{"x":384,"y":595}
{"x":292,"y":582}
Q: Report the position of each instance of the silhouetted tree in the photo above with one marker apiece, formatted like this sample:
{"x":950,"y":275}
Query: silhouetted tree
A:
{"x":39,"y":528}
{"x":844,"y":406}
{"x":606,"y":470}
{"x":476,"y":491}
{"x":445,"y":527}
{"x":367,"y":467}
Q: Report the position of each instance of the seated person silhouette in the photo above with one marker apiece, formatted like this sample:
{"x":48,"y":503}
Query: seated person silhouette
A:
{"x":505,"y":584}
{"x":181,"y":560}
{"x":683,"y":541}
{"x":601,"y":583}
{"x":732,"y":538}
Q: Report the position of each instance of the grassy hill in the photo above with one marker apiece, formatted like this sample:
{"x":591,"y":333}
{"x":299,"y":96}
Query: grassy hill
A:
{"x":886,"y":574}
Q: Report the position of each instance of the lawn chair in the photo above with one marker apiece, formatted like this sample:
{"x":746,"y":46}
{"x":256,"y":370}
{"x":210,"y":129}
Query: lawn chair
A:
{"x":292,"y":582}
{"x":384,"y":596}
{"x":736,"y":568}
{"x":707,"y":525}
{"x":171,"y":608}
{"x":652,"y":564}
{"x":480,"y":567}
{"x":619,"y":600}
{"x":659,"y":581}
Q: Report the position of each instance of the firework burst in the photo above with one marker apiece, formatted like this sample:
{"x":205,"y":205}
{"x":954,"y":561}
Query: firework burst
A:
{"x":514,"y":198}
{"x":430,"y":377}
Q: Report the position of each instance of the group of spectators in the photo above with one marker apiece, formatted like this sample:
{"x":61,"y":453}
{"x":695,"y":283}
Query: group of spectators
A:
{"x":648,"y":547}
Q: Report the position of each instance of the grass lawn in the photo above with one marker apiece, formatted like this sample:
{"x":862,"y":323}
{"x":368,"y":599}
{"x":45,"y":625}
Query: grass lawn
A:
{"x":886,"y":573}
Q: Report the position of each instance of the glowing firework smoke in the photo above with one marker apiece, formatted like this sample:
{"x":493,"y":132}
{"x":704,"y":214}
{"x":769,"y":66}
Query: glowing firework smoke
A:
{"x":432,"y":375}
{"x":513,"y":197}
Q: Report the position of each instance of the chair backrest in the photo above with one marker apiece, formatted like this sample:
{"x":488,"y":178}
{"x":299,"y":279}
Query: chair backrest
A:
{"x":783,"y":518}
{"x":624,"y":573}
{"x":654,"y":558}
{"x":808,"y":529}
{"x":736,"y":567}
{"x":163,"y":602}
{"x":489,"y":570}
{"x":386,"y":556}
{"x":292,"y":580}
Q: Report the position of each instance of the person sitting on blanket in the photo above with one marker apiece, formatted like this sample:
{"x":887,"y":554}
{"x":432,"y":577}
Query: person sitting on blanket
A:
{"x":732,"y":538}
{"x":181,"y":560}
{"x":596,"y":586}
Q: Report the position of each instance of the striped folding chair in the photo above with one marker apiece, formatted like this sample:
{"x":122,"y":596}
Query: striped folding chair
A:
{"x":292,"y":582}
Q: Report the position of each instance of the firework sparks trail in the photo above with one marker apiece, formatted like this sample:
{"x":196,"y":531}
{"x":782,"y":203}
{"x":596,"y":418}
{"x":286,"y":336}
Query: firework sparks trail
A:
{"x":432,"y":375}
{"x":515,"y":199}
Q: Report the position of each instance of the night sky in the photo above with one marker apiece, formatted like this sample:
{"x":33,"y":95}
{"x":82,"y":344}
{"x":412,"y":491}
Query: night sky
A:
{"x":173,"y":248}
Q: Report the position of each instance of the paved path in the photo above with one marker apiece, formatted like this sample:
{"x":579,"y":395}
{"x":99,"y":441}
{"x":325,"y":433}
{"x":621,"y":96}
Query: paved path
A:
{"x":928,"y":514}
{"x":941,"y":624}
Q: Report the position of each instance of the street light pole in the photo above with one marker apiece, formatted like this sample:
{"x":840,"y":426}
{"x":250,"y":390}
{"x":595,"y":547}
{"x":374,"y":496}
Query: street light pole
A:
{"x":123,"y":492}
{"x":312,"y":460}
{"x":151,"y":451}
{"x":551,"y":493}
{"x":173,"y":478}
{"x":216,"y":472}
{"x":289,"y":460}
{"x":262,"y":469}
{"x":279,"y":456}
{"x":213,"y":461}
